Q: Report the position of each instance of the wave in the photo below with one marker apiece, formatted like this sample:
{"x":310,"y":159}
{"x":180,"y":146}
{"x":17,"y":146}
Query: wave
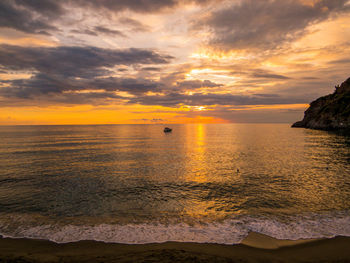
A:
{"x":230,"y":231}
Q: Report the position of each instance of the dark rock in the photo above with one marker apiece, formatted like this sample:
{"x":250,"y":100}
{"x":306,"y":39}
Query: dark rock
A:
{"x":331,"y":112}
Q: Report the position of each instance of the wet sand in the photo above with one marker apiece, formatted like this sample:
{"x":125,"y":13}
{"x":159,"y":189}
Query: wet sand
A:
{"x":255,"y":248}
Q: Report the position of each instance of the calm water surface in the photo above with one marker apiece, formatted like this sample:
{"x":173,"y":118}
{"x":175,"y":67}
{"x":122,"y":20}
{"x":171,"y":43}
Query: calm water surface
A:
{"x":203,"y":183}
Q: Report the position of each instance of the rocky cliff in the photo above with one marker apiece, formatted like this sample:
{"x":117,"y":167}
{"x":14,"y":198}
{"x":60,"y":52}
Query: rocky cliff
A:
{"x":331,"y":112}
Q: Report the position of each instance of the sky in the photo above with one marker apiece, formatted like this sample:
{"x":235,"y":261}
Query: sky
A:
{"x":169,"y":61}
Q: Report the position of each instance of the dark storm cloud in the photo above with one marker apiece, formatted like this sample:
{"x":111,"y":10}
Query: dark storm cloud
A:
{"x":37,"y":16}
{"x":29,"y":16}
{"x":91,"y":98}
{"x":61,"y":69}
{"x":133,"y":86}
{"x":120,"y":5}
{"x":83,"y":62}
{"x":43,"y":85}
{"x":265,"y":24}
{"x":36,"y":85}
{"x":142,"y":6}
{"x":43,"y":7}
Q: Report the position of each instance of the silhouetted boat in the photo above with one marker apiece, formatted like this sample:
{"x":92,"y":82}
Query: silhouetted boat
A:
{"x":166,"y":129}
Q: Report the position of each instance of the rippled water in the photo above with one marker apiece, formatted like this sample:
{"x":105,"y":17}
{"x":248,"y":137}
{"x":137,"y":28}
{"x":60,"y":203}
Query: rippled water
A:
{"x":204,"y":183}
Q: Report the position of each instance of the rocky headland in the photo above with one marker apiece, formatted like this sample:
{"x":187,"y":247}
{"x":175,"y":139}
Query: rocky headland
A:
{"x":331,"y":112}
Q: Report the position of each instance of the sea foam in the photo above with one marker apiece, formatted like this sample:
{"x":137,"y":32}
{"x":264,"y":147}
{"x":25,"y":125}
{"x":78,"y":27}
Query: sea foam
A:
{"x":230,"y":231}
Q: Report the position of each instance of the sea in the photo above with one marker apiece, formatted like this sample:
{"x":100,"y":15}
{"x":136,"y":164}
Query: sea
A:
{"x":208,"y":183}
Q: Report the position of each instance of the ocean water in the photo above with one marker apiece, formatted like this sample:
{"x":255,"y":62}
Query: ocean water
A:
{"x":199,"y":183}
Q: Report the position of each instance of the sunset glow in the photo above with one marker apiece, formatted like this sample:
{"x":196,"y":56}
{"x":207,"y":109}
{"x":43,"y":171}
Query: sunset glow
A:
{"x":96,"y":62}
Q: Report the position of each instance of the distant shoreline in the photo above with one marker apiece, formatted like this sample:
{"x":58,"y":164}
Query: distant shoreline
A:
{"x":31,"y":250}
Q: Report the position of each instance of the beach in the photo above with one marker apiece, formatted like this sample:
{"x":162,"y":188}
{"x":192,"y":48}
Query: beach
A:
{"x":325,"y":250}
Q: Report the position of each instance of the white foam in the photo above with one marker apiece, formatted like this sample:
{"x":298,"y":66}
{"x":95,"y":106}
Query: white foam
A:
{"x":135,"y":234}
{"x":303,"y":227}
{"x":231,"y":231}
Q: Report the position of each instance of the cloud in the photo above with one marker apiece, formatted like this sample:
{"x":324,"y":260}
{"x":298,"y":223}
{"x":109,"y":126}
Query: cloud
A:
{"x":254,"y":115}
{"x":108,"y":31}
{"x":67,"y":61}
{"x":39,"y":16}
{"x":121,"y":5}
{"x":265,"y":24}
{"x":130,"y":85}
{"x":50,"y":88}
{"x":196,"y":84}
{"x":150,"y":120}
{"x":97,"y":30}
{"x":60,"y":70}
{"x":29,"y":16}
{"x":151,"y":68}
{"x":141,"y":6}
{"x":47,"y":8}
{"x":310,"y":78}
{"x":176,"y":99}
{"x":340,"y":61}
{"x":268,"y":76}
{"x":267,"y":95}
{"x":135,"y":25}
{"x":84,"y":31}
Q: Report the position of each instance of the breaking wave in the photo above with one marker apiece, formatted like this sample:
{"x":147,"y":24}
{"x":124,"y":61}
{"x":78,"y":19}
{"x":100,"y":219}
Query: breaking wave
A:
{"x":230,"y":231}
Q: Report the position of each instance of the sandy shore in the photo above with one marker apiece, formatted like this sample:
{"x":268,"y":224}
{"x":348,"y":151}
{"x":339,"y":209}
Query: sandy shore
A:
{"x":255,"y":248}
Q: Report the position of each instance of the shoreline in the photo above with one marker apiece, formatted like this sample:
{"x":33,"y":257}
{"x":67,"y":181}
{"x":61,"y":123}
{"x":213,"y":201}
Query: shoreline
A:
{"x":255,"y":248}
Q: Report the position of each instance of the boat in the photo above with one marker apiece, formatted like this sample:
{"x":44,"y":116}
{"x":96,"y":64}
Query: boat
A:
{"x":166,"y":129}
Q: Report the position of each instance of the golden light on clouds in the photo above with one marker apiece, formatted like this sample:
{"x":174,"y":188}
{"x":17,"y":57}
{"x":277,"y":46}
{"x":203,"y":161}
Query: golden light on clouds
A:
{"x":15,"y":37}
{"x":170,"y":62}
{"x":217,"y":76}
{"x":9,"y":76}
{"x":27,"y":41}
{"x":222,"y":56}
